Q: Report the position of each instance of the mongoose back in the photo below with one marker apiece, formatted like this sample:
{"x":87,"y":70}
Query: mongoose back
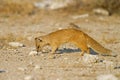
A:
{"x":71,"y":35}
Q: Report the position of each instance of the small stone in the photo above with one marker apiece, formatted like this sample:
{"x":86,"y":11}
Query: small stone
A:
{"x":80,"y":16}
{"x":28,"y":78}
{"x":107,"y":77}
{"x":101,"y":11}
{"x":33,"y":53}
{"x":109,"y":64}
{"x":31,"y":63}
{"x":37,"y":67}
{"x":65,"y":58}
{"x":55,"y":4}
{"x":22,"y":68}
{"x":57,"y":79}
{"x":16,"y":44}
{"x":88,"y":58}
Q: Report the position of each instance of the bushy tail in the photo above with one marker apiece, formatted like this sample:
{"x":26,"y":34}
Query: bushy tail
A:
{"x":97,"y":47}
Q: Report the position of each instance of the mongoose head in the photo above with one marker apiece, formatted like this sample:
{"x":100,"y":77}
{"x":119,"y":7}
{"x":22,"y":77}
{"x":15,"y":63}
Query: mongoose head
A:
{"x":40,"y":43}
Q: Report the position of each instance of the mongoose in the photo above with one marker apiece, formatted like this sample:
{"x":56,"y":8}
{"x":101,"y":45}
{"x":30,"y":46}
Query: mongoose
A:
{"x":71,"y":35}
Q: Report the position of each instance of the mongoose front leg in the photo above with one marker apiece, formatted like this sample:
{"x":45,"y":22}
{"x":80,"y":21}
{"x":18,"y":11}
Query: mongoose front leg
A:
{"x":54,"y":48}
{"x":53,"y":51}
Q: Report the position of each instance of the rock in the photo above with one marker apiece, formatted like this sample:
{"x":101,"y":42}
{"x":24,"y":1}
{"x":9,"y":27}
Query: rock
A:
{"x":108,"y":64}
{"x":107,"y":77}
{"x":56,"y":4}
{"x":65,"y":58}
{"x":22,"y":68}
{"x":29,"y":77}
{"x":88,"y":58}
{"x":33,"y":53}
{"x":16,"y":44}
{"x":101,"y":11}
{"x":37,"y":67}
{"x":80,"y":16}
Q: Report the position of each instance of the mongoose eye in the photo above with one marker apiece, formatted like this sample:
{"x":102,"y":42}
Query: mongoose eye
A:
{"x":40,"y":40}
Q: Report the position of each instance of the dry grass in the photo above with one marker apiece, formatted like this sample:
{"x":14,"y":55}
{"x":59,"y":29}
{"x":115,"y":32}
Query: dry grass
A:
{"x":110,"y":41}
{"x":26,"y":7}
{"x":113,"y":6}
{"x":4,"y":40}
{"x":16,"y":7}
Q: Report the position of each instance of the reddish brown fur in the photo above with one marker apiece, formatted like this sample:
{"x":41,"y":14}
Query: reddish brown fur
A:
{"x":75,"y":36}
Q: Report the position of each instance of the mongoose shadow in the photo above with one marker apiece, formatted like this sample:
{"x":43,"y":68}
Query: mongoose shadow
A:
{"x":68,"y":50}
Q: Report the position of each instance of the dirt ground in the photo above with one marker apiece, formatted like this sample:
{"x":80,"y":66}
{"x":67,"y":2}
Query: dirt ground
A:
{"x":17,"y":64}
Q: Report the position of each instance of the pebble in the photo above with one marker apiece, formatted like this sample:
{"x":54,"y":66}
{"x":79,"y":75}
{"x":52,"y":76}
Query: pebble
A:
{"x":101,"y":11}
{"x":29,"y":77}
{"x":107,"y":77}
{"x":55,"y":4}
{"x":65,"y":58}
{"x":80,"y":16}
{"x":33,"y":53}
{"x":22,"y":68}
{"x":37,"y":67}
{"x":88,"y":58}
{"x":108,"y":64}
{"x":16,"y":44}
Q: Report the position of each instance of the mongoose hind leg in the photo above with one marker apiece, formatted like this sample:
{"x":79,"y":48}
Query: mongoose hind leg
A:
{"x":84,"y":48}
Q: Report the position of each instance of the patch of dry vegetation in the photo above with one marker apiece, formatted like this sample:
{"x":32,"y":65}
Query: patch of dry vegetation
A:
{"x":16,"y":7}
{"x":113,"y":6}
{"x":4,"y":40}
{"x":110,"y":41}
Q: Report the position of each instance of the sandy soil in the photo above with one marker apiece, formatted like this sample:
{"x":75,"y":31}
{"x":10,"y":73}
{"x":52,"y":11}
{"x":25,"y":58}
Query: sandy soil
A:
{"x":17,"y":64}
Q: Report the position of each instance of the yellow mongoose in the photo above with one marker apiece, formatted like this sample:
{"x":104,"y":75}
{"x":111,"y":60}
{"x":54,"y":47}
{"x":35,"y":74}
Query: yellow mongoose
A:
{"x":75,"y":36}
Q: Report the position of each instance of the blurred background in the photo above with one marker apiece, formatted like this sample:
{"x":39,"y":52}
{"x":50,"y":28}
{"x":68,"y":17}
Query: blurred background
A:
{"x":29,"y":7}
